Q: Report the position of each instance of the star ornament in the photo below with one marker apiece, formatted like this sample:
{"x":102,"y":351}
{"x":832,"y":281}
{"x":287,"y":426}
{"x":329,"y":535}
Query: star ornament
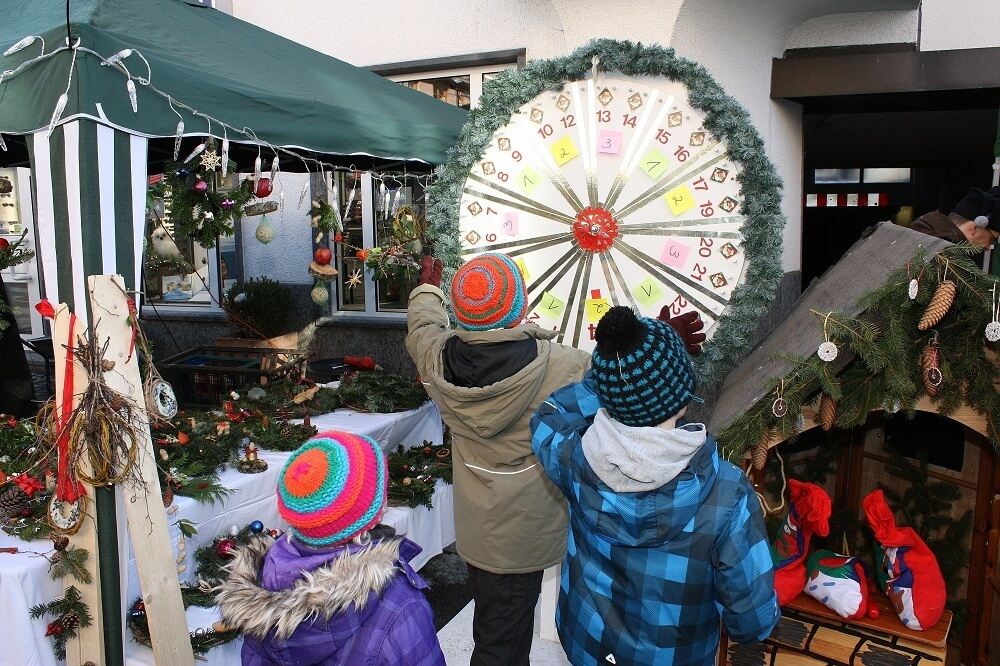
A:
{"x":355,"y":279}
{"x":211,"y":160}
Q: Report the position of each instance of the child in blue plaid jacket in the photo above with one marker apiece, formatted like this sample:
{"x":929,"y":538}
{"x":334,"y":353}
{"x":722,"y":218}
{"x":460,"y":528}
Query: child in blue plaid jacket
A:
{"x":664,"y":536}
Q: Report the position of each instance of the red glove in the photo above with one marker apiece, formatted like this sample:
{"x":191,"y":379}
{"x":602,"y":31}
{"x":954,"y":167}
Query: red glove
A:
{"x":430,"y":271}
{"x":687,"y":326}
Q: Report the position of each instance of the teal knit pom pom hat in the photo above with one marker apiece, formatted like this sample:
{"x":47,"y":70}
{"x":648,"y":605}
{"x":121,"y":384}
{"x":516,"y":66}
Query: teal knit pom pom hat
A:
{"x":641,"y":367}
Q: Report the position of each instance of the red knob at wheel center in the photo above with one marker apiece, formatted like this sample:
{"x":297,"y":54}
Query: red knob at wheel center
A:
{"x":595,"y":229}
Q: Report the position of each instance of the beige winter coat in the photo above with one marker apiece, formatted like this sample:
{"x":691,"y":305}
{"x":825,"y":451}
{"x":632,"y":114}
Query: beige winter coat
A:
{"x":509,"y":518}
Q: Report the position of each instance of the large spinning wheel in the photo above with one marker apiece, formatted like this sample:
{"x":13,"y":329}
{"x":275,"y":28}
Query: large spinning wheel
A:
{"x":615,"y":191}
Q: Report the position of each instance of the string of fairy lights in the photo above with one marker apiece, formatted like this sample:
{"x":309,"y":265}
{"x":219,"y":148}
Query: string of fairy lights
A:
{"x":117,"y":62}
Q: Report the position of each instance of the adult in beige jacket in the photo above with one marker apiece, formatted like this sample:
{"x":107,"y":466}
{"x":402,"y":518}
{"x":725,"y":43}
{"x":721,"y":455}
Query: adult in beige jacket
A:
{"x":510,"y":520}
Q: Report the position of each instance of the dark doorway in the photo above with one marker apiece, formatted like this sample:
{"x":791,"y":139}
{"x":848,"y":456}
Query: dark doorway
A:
{"x":946,"y":151}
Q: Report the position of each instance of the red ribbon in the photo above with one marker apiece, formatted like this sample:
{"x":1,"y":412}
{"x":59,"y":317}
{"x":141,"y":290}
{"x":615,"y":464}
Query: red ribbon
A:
{"x":45,"y":309}
{"x":67,"y":488}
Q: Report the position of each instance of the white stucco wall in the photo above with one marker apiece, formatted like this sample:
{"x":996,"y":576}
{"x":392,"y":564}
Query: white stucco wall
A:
{"x":736,"y":40}
{"x":959,"y":24}
{"x":856,"y":28}
{"x":286,"y":258}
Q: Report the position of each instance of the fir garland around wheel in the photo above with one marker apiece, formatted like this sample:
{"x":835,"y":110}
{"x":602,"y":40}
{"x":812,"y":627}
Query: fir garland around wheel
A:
{"x":468,"y":173}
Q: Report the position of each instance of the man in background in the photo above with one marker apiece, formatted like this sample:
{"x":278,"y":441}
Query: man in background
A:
{"x":974,"y":219}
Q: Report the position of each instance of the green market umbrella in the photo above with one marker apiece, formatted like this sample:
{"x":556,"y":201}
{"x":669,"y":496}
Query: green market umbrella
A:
{"x":288,"y":94}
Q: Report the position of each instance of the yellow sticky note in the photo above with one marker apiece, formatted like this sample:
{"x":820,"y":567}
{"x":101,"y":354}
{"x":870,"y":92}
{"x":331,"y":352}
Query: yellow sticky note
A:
{"x":524,"y":269}
{"x":654,"y":163}
{"x":647,"y":292}
{"x":563,"y":150}
{"x":551,"y":306}
{"x":528,"y":180}
{"x":596,"y":307}
{"x":680,"y":199}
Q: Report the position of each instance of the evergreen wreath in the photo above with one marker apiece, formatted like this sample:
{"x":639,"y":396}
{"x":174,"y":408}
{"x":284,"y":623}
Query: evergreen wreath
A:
{"x":886,"y":371}
{"x":200,"y":214}
{"x":724,"y":117}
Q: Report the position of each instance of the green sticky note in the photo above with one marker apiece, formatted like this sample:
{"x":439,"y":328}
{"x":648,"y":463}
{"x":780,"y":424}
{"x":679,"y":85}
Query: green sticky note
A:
{"x":654,"y":163}
{"x":551,"y":306}
{"x":647,"y":292}
{"x":528,"y":180}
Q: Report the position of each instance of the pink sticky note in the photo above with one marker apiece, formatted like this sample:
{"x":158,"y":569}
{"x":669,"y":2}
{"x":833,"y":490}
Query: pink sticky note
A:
{"x":510,"y":224}
{"x":675,"y":254}
{"x":609,"y":141}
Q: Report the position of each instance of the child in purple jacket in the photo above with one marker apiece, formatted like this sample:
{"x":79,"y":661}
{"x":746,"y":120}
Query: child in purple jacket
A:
{"x":328,"y":593}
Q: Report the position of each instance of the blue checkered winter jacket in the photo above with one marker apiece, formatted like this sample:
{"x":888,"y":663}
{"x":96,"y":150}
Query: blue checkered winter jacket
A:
{"x":648,"y":574}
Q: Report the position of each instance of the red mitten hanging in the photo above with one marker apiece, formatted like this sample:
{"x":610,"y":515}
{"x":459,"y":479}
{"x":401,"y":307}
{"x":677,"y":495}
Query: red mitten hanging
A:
{"x":908,"y":570}
{"x":839,"y":582}
{"x":808,"y":514}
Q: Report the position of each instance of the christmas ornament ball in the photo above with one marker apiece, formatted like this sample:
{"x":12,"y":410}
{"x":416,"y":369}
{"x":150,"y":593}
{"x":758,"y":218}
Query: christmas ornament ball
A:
{"x":320,"y":295}
{"x":265,"y":232}
{"x":4,"y":243}
{"x":428,"y":450}
{"x":873,"y":613}
{"x":263,"y":188}
{"x":200,"y":186}
{"x":225,"y":548}
{"x":256,"y":527}
{"x":183,"y":173}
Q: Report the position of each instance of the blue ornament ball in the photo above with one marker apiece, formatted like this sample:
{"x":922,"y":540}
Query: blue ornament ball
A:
{"x":256,"y":527}
{"x":182,"y":173}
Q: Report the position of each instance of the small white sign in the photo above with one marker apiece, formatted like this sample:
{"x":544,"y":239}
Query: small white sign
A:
{"x":852,"y":199}
{"x":873,"y":198}
{"x":811,"y":200}
{"x":831,"y":201}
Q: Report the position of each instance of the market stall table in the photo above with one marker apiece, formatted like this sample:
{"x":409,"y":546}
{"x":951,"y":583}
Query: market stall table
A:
{"x":24,"y":578}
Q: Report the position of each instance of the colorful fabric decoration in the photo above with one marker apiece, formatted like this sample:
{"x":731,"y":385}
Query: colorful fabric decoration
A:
{"x":333,"y":488}
{"x":488,"y":292}
{"x":907,"y":569}
{"x":839,"y":582}
{"x":809,"y":510}
{"x":641,"y":367}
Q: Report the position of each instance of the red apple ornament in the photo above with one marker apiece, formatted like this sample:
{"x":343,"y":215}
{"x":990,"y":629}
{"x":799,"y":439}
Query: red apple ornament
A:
{"x":4,"y":243}
{"x":323,"y":256}
{"x":263,"y":188}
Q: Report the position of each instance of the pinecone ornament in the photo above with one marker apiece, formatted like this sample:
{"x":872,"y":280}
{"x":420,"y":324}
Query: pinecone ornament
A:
{"x":70,"y":621}
{"x":931,"y":373}
{"x":758,"y":456}
{"x":168,"y":495}
{"x":827,"y":412}
{"x":13,"y":503}
{"x":940,"y":303}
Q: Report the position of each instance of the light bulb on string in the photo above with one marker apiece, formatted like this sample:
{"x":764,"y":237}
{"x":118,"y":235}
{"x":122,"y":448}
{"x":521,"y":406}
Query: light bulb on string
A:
{"x":118,"y":57}
{"x":177,"y":139}
{"x":133,"y":100}
{"x":3,"y":144}
{"x":274,"y":167}
{"x":57,"y":113}
{"x":195,"y":153}
{"x":305,"y":191}
{"x":256,"y":167}
{"x":23,"y":44}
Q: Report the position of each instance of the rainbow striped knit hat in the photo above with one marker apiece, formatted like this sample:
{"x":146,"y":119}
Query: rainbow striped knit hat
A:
{"x":488,"y":292}
{"x":333,"y":488}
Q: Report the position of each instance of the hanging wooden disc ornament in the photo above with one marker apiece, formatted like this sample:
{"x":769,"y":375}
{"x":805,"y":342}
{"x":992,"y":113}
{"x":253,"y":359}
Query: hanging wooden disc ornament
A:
{"x":66,"y":517}
{"x":827,"y":351}
{"x":622,"y":183}
{"x":162,"y":401}
{"x":993,"y":328}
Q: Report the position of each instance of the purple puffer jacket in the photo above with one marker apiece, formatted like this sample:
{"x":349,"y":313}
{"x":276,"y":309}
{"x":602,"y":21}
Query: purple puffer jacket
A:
{"x":351,"y":606}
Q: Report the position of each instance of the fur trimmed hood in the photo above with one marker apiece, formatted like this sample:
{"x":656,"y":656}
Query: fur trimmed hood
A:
{"x":347,"y":579}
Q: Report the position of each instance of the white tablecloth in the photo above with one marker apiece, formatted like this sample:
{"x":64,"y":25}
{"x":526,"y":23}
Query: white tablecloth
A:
{"x":24,"y":579}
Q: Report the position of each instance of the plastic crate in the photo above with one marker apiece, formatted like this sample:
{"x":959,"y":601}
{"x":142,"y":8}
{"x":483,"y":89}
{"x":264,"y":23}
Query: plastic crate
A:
{"x":205,"y":375}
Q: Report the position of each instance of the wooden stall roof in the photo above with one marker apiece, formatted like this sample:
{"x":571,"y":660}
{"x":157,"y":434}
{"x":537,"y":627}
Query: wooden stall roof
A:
{"x":865,"y":266}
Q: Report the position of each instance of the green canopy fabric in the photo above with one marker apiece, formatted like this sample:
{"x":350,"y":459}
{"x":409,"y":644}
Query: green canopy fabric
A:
{"x":289,"y":95}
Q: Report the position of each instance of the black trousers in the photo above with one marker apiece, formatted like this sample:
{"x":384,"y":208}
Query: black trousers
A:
{"x":504,"y":618}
